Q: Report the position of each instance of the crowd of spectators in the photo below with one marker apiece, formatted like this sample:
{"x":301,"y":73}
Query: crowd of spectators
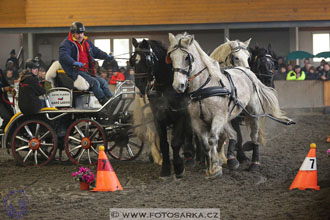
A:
{"x":110,"y":71}
{"x":288,"y":71}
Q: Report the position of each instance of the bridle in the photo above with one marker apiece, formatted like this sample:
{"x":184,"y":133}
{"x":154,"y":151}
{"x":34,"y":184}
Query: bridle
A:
{"x":234,"y":50}
{"x":150,"y":58}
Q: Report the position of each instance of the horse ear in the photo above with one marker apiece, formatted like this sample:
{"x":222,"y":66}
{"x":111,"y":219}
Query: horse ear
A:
{"x":247,"y":42}
{"x":227,"y":40}
{"x":191,"y":39}
{"x":134,"y":42}
{"x":145,"y":44}
{"x":269,"y":47}
{"x":171,"y":38}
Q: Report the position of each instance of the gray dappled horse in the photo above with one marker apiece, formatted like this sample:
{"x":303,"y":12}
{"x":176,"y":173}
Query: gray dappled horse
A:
{"x":217,"y":97}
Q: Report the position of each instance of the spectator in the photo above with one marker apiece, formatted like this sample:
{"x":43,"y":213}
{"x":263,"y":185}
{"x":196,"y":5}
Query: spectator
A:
{"x":307,"y":66}
{"x":116,"y":76}
{"x":325,"y":74}
{"x":110,"y":64}
{"x":6,"y":111}
{"x":13,"y":59}
{"x":281,"y":73}
{"x":312,"y":74}
{"x":74,"y":51}
{"x":97,"y":68}
{"x":131,"y":73}
{"x":320,"y":67}
{"x":30,"y":90}
{"x":42,"y":74}
{"x":10,"y":66}
{"x":10,"y":77}
{"x":279,"y":63}
{"x":104,"y":74}
{"x":40,"y":61}
{"x":296,"y":74}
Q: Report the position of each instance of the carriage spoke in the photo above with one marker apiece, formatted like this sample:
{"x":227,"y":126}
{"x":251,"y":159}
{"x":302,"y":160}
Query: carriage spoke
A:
{"x":44,"y":135}
{"x":112,"y":147}
{"x":79,"y":146}
{"x":97,"y":142}
{"x":79,"y":131}
{"x":43,"y":153}
{"x":129,"y":150}
{"x":94,"y":133}
{"x":22,"y":148}
{"x":22,"y":139}
{"x":87,"y":128}
{"x":27,"y":155}
{"x":89,"y":157}
{"x":94,"y":150}
{"x":74,"y":139}
{"x":37,"y":130}
{"x":121,"y":152}
{"x":35,"y":157}
{"x":28,"y":131}
{"x":82,"y":152}
{"x":134,"y":144}
{"x":46,"y":144}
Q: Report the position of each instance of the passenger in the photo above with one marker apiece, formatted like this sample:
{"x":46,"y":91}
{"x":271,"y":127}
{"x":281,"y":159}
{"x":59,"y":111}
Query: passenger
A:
{"x":77,"y":50}
{"x":30,"y":90}
{"x":6,"y":111}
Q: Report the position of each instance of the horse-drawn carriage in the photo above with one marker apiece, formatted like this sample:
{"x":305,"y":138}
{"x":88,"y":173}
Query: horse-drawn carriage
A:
{"x":74,"y":121}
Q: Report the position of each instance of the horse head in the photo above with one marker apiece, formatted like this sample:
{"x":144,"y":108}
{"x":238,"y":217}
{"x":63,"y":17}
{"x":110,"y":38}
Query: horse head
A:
{"x":188,"y":61}
{"x":262,"y":64}
{"x":232,"y":53}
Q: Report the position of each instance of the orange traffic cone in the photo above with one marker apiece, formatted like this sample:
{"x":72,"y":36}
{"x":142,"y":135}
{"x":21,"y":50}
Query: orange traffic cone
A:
{"x":106,"y":179}
{"x":307,"y":174}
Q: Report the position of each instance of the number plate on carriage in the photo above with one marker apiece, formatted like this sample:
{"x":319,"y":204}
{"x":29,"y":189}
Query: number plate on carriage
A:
{"x":60,"y":98}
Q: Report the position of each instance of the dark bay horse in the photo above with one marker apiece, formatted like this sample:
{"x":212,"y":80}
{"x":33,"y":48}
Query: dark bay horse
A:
{"x":154,"y":79}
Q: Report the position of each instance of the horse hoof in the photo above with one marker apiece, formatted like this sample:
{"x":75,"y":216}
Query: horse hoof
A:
{"x":165,"y":171}
{"x":214,"y":175}
{"x":232,"y":164}
{"x":180,"y":175}
{"x":190,"y":163}
{"x":254,"y":167}
{"x":248,"y":146}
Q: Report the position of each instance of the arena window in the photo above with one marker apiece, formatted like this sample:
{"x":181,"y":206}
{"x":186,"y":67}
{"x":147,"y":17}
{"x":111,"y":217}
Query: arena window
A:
{"x":321,"y":43}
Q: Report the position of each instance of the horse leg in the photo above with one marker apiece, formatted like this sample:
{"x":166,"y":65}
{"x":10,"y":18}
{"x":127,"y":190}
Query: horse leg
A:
{"x":215,"y":168}
{"x":189,"y":148}
{"x":221,"y":148}
{"x":254,"y":125}
{"x":242,"y":158}
{"x":164,"y":148}
{"x":232,"y":162}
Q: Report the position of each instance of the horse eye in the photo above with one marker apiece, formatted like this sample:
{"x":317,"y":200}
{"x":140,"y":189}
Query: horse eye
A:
{"x":236,"y":58}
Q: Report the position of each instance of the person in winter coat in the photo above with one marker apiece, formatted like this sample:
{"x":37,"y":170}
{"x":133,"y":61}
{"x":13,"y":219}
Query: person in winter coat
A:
{"x":77,"y":51}
{"x":6,"y":111}
{"x":30,"y":89}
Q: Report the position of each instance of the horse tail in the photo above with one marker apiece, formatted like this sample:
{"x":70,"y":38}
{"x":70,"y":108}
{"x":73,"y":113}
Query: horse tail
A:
{"x":270,"y":105}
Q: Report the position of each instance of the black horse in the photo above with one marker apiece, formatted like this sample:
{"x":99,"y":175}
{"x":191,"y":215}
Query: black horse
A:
{"x":154,"y":78}
{"x":262,"y":62}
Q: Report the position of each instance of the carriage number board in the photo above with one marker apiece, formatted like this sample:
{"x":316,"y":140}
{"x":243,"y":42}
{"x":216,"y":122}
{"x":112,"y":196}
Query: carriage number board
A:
{"x":60,"y":98}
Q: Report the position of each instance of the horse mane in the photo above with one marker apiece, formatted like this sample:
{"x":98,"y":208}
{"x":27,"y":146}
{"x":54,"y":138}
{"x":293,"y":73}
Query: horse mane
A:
{"x":221,"y":52}
{"x":158,"y":47}
{"x":211,"y":64}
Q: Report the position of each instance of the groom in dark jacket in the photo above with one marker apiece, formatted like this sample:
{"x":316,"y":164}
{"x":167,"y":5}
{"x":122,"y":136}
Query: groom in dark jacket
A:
{"x":76,"y":55}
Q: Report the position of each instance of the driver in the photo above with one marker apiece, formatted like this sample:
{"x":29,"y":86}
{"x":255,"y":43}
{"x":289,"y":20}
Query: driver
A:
{"x":77,"y":50}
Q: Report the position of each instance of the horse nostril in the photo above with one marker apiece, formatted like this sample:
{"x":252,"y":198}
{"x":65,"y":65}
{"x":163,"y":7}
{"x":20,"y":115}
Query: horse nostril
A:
{"x":182,"y":86}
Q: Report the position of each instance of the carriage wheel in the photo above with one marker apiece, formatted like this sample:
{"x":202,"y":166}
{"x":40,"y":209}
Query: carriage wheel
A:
{"x":124,"y":145}
{"x":82,"y":140}
{"x":34,"y":143}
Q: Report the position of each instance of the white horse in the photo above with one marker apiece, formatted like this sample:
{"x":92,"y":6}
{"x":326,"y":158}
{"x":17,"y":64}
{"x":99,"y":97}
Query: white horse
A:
{"x":232,"y":53}
{"x":217,"y":97}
